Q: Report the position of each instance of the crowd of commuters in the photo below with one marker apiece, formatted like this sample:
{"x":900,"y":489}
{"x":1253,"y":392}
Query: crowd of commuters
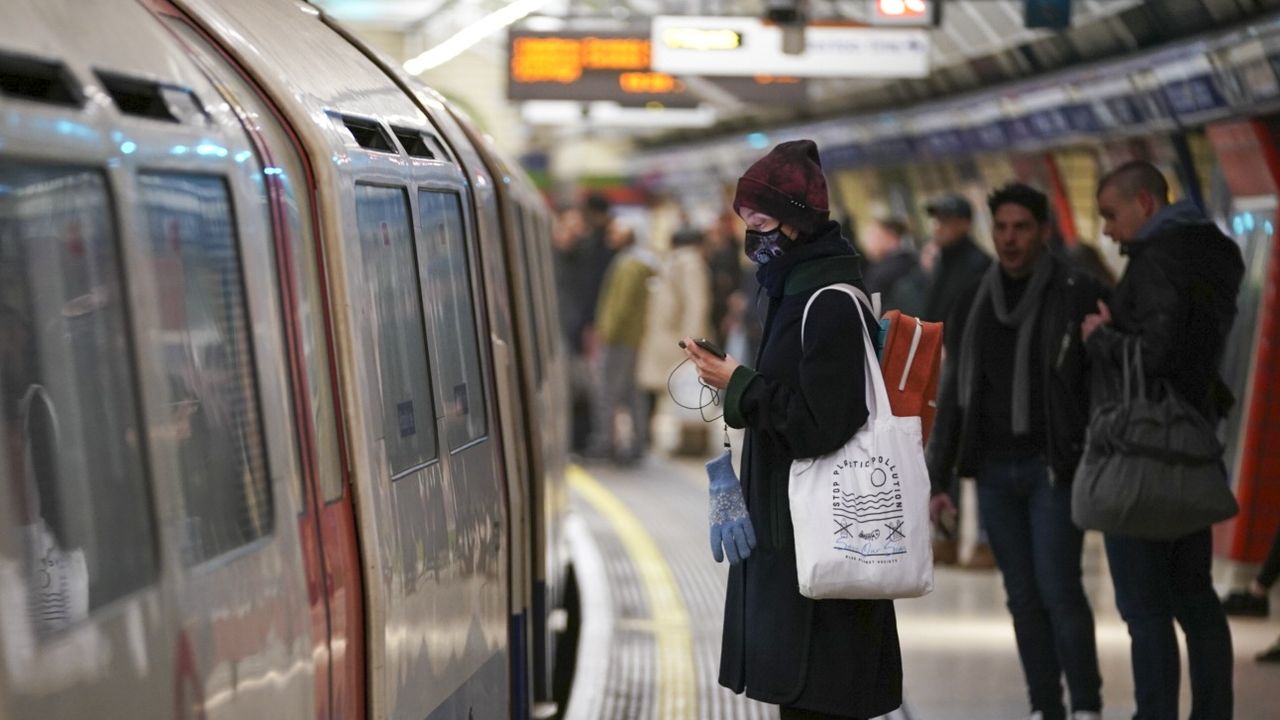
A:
{"x":1025,"y":333}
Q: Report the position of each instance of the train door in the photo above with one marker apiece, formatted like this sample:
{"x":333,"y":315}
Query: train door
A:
{"x":327,"y":518}
{"x":500,"y":281}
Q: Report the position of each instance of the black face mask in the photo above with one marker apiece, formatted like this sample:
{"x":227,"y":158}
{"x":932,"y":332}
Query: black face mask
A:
{"x":762,"y":247}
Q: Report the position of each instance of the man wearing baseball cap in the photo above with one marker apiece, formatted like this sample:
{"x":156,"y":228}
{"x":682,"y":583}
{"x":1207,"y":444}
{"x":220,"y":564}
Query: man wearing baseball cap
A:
{"x":955,"y":275}
{"x":960,"y":264}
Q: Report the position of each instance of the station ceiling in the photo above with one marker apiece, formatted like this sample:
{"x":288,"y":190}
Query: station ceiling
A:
{"x":978,"y":43}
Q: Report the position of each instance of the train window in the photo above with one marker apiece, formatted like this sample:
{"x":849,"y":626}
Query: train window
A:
{"x":395,"y":305}
{"x":70,"y":440}
{"x":203,"y":342}
{"x":449,"y":283}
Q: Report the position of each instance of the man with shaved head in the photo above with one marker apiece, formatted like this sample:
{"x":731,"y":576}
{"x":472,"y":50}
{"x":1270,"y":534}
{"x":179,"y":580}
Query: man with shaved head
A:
{"x":1178,"y":300}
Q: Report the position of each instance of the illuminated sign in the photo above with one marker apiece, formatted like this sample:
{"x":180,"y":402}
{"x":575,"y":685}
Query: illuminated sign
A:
{"x":688,"y":45}
{"x":903,"y":12}
{"x":587,"y":66}
{"x":563,"y":60}
{"x":700,"y":39}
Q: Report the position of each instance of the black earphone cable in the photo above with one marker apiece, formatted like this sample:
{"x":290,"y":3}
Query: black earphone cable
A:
{"x":707,"y":396}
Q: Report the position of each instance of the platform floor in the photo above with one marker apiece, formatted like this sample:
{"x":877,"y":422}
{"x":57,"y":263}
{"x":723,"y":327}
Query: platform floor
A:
{"x":652,"y":598}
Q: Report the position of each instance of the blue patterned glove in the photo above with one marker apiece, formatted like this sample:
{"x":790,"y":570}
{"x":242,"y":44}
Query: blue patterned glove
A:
{"x":730,"y":524}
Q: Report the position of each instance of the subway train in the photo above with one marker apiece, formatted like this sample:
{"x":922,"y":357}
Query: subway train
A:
{"x":284,"y":398}
{"x":1206,"y":110}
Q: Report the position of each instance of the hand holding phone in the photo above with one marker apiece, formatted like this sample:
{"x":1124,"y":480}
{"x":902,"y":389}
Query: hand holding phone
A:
{"x":706,"y":345}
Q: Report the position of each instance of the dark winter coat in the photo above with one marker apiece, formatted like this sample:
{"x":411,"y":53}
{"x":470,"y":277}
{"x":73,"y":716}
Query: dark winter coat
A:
{"x":882,"y":276}
{"x":891,"y":277}
{"x":580,"y":272}
{"x":954,"y":447}
{"x":958,"y":270}
{"x":1178,"y":295}
{"x":833,"y":656}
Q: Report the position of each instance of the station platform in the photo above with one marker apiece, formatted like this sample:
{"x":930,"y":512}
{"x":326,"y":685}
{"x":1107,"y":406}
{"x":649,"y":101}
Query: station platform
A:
{"x":652,"y":598}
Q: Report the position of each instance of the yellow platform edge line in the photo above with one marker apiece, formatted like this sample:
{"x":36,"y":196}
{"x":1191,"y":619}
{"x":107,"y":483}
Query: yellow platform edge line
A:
{"x":677,"y":696}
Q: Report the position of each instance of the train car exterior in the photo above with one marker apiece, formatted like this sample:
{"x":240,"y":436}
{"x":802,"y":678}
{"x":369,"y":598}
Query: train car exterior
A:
{"x":271,"y":442}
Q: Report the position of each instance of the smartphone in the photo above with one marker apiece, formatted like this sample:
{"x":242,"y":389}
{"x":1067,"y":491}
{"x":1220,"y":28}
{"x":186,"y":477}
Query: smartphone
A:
{"x":707,"y":345}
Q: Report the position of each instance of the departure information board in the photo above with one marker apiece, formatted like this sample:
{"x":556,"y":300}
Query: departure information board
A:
{"x":611,"y":65}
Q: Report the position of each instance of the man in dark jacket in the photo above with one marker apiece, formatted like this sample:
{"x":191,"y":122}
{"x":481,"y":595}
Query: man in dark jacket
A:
{"x":891,"y":260}
{"x":960,"y":264}
{"x":815,"y":658}
{"x":944,"y":294}
{"x":1178,"y":299}
{"x":1012,"y":412}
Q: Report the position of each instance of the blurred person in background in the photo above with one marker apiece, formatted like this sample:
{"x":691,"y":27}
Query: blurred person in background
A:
{"x":620,"y":324}
{"x":725,"y":262}
{"x":678,"y":306}
{"x":1087,"y":258}
{"x":744,"y":324}
{"x":960,"y":263}
{"x":581,"y":259}
{"x":891,"y":261}
{"x":1253,"y":602}
{"x":956,"y":267}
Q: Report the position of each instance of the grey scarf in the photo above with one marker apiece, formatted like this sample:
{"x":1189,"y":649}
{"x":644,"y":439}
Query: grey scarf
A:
{"x":1022,"y":317}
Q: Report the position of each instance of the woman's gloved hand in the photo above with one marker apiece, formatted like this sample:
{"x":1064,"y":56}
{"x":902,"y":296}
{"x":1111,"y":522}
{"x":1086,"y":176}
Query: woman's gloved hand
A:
{"x":730,"y":524}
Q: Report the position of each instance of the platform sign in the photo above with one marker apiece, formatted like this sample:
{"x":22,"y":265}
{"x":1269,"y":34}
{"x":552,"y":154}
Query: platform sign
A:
{"x":615,"y":66}
{"x":749,"y":46}
{"x":589,"y":66}
{"x":1189,"y":86}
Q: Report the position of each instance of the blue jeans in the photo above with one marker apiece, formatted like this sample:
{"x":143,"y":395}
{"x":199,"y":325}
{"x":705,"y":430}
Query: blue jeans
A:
{"x":1156,"y":583}
{"x":1037,"y":548}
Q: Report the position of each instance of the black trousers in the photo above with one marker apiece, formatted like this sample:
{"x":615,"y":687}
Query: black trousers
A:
{"x":1271,"y":568}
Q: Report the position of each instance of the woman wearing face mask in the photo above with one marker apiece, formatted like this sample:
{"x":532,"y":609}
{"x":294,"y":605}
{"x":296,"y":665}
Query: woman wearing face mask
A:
{"x":814,"y":658}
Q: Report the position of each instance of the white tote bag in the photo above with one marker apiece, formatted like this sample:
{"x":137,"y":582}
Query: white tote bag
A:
{"x":861,"y":513}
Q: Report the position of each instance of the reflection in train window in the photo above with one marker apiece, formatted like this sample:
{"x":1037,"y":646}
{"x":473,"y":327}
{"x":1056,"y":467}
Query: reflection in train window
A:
{"x":394,"y":304}
{"x":449,"y":288}
{"x":203,"y":342}
{"x":70,"y":455}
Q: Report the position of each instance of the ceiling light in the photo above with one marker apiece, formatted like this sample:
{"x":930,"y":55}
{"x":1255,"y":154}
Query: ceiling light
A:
{"x":472,"y":34}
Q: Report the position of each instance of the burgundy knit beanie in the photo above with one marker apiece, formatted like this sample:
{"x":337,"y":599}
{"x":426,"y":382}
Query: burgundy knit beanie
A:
{"x":786,"y":184}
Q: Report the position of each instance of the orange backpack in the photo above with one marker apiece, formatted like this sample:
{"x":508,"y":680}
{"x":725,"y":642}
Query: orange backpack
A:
{"x":911,"y":360}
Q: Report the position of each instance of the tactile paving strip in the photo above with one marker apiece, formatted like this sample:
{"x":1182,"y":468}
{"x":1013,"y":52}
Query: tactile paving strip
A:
{"x":671,"y":504}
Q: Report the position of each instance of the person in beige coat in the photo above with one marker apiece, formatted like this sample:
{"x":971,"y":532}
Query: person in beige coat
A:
{"x":679,"y":307}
